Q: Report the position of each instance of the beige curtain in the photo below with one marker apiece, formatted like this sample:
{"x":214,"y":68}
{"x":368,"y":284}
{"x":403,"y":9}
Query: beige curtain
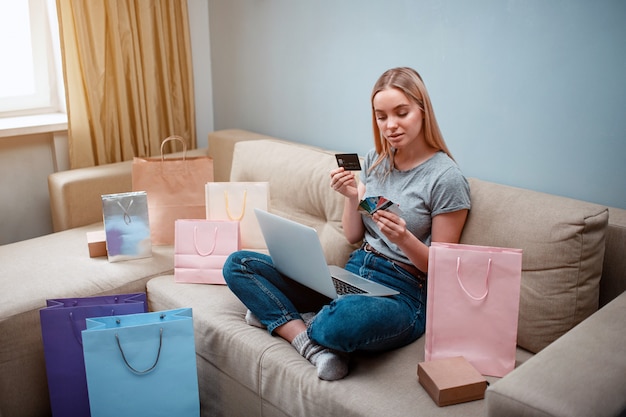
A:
{"x":128,"y":76}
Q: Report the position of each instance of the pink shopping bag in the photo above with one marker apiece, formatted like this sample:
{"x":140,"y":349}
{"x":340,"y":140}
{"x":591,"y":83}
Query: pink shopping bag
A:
{"x":473,"y":305}
{"x":201,"y":248}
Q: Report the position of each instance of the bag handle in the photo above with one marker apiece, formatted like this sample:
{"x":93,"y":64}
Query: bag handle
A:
{"x":174,"y":137}
{"x":129,"y":366}
{"x":195,"y":242}
{"x":243,"y":209}
{"x":458,"y":277}
{"x":127,"y":219}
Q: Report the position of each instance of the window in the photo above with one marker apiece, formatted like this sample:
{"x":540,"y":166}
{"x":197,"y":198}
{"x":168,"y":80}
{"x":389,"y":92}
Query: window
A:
{"x":30,"y":74}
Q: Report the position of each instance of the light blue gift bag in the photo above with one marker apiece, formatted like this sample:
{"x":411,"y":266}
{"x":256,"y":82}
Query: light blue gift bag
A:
{"x":142,"y":365}
{"x":126,"y":226}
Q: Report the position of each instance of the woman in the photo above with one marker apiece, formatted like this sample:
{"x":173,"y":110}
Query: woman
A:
{"x":411,"y":166}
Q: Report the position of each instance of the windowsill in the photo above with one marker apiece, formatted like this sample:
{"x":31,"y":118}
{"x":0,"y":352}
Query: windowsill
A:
{"x":29,"y":125}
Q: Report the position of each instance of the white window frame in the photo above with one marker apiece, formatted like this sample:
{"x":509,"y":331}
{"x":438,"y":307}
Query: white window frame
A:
{"x":49,"y":96}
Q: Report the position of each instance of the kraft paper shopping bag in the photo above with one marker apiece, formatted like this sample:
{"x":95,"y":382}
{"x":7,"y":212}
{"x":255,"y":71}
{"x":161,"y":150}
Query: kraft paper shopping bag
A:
{"x":62,"y":322}
{"x":175,"y":188}
{"x":201,"y":248}
{"x":473,"y":305}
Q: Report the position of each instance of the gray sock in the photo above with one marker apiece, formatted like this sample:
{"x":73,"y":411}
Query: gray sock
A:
{"x":330,"y":364}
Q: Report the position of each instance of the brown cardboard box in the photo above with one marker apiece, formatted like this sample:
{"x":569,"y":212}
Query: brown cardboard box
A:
{"x":96,"y":241}
{"x":451,"y":381}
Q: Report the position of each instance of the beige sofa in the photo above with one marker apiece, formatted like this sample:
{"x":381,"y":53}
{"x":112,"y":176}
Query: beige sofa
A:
{"x":573,"y":263}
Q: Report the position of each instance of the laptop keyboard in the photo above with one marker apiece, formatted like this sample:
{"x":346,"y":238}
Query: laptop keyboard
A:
{"x":344,"y":288}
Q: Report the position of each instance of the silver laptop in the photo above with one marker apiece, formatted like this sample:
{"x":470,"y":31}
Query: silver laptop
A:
{"x":297,"y":252}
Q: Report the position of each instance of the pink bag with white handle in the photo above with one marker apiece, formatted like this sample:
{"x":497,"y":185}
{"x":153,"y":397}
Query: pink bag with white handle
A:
{"x":201,"y":248}
{"x":473,"y":305}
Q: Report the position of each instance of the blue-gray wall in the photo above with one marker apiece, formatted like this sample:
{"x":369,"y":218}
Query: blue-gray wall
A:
{"x":527,"y":93}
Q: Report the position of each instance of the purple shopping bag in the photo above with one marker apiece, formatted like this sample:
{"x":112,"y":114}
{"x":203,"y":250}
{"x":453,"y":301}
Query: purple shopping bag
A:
{"x":62,"y":322}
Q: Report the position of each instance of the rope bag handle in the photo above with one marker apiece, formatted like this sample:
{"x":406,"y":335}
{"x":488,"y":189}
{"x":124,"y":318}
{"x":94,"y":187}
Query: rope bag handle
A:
{"x":458,"y":277}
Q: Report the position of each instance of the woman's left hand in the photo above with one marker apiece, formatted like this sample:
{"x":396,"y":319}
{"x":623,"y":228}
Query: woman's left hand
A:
{"x":391,"y":225}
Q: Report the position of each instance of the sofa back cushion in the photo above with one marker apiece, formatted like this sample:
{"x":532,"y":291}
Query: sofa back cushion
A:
{"x":562,"y":239}
{"x":299,"y":178}
{"x":563,"y":249}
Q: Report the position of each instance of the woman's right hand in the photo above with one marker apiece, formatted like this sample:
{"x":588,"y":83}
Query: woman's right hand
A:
{"x":344,"y":182}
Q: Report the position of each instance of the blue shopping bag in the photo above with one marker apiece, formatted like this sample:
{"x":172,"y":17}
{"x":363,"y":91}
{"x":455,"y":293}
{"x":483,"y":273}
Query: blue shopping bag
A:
{"x":62,"y":322}
{"x":142,"y":365}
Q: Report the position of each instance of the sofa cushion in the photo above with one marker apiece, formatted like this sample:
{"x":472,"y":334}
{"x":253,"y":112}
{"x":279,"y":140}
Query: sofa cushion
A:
{"x":284,"y":382}
{"x":563,"y":249}
{"x":311,"y":202}
{"x":222,"y":338}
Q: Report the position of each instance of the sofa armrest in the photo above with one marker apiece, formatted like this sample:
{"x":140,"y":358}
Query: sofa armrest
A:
{"x":75,"y":195}
{"x":583,"y":373}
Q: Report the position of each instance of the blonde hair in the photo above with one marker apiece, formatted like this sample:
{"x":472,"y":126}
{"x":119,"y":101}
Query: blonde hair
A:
{"x":410,"y":83}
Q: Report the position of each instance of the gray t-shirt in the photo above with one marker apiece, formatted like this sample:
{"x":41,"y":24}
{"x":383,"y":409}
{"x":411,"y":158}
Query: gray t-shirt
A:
{"x":434,"y":187}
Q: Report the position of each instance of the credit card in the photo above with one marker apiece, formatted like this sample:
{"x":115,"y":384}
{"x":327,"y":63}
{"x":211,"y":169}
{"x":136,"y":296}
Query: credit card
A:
{"x":371,"y":205}
{"x":349,"y":161}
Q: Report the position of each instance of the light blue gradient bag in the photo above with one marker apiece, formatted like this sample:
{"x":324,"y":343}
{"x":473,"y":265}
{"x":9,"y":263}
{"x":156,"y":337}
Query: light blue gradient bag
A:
{"x":142,"y":365}
{"x":126,"y":226}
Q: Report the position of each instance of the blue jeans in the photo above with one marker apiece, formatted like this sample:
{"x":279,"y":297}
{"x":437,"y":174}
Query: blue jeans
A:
{"x":349,"y":323}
